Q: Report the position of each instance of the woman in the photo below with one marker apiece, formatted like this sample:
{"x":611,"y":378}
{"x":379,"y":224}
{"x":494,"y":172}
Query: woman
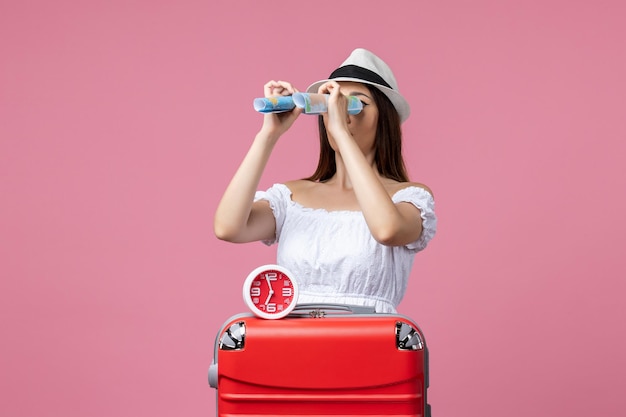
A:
{"x":348,"y":233}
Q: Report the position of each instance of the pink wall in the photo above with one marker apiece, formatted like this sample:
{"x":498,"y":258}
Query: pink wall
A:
{"x":122,"y":121}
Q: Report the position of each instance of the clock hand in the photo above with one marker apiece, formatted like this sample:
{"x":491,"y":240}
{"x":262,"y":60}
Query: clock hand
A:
{"x":269,"y":284}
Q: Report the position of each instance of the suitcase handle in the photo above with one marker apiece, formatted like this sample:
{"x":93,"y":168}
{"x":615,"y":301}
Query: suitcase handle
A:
{"x":321,"y":309}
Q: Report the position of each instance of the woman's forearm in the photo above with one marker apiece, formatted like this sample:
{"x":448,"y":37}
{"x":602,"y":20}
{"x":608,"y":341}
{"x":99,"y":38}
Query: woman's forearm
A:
{"x":234,"y":212}
{"x":388,"y":223}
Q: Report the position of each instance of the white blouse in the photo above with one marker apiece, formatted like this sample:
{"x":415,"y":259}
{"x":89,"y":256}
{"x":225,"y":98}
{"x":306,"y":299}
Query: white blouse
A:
{"x":334,"y":257}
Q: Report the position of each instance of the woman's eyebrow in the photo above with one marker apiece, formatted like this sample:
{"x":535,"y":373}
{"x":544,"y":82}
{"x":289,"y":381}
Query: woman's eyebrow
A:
{"x":358,"y":93}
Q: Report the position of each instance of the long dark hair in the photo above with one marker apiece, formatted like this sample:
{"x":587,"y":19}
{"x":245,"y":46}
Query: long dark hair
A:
{"x":388,"y":144}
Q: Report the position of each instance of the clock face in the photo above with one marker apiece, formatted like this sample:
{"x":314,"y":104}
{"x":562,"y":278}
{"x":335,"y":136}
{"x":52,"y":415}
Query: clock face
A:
{"x":270,"y":291}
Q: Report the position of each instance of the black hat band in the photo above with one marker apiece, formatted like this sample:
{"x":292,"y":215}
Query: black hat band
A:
{"x":354,"y":71}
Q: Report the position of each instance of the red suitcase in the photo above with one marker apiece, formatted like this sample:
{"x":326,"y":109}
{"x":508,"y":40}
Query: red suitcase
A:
{"x":321,"y":360}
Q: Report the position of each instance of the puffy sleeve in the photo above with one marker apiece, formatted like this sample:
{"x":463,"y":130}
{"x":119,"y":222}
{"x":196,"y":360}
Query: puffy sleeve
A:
{"x":424,"y":201}
{"x":278,"y":195}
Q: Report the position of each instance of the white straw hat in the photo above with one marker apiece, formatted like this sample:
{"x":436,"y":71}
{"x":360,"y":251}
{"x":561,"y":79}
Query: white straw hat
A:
{"x":364,"y":67}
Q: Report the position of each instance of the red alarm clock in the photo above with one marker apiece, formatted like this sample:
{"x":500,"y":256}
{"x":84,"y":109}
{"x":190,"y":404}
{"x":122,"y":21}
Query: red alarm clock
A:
{"x":270,"y":291}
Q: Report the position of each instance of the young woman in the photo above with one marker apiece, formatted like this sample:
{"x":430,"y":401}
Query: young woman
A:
{"x":349,"y":233}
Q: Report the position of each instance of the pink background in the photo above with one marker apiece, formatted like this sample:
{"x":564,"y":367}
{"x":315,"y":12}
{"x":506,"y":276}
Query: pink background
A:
{"x":121,"y":123}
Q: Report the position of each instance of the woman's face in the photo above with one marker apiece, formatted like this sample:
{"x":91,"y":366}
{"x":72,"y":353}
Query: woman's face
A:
{"x":362,"y":126}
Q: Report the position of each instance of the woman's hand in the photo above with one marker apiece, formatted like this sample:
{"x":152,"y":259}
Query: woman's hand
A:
{"x":275,"y":124}
{"x":337,"y":116}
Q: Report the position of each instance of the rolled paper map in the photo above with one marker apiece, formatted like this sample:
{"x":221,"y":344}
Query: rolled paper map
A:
{"x":311,"y":103}
{"x":318,"y":103}
{"x":274,"y":104}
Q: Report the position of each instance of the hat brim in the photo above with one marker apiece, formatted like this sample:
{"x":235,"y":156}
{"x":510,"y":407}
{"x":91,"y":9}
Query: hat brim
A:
{"x":401,"y":105}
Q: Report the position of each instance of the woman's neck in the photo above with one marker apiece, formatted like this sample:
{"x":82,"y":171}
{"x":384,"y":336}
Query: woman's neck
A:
{"x":342,"y":178}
